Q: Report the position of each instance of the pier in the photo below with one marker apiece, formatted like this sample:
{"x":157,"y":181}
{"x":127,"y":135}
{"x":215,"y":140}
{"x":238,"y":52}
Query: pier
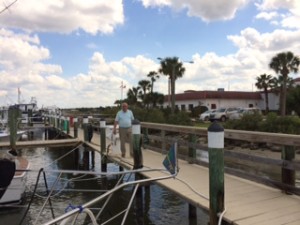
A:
{"x":246,"y":202}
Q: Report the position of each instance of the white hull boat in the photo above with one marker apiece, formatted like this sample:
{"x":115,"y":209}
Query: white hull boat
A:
{"x":5,"y":135}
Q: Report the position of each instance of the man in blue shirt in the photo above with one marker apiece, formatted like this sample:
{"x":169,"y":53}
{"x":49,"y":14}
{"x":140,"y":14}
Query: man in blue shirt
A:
{"x":124,"y":118}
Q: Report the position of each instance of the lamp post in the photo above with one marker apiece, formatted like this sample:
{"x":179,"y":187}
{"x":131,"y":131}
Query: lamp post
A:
{"x":122,"y":87}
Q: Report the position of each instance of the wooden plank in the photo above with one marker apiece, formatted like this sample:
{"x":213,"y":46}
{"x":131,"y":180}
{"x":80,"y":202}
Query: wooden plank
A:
{"x":270,"y":215}
{"x":284,"y":219}
{"x":53,"y":143}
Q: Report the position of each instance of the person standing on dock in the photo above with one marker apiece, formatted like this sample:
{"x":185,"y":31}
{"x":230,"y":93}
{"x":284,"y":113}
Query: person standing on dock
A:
{"x":90,"y":131}
{"x":124,"y":118}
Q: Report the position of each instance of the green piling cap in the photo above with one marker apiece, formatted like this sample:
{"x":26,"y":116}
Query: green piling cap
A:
{"x":215,"y":127}
{"x":135,"y":122}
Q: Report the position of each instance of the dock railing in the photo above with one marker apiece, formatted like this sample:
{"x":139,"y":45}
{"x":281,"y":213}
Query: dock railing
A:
{"x":276,"y":168}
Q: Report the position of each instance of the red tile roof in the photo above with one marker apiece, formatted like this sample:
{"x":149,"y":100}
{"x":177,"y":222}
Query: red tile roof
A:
{"x":196,"y":95}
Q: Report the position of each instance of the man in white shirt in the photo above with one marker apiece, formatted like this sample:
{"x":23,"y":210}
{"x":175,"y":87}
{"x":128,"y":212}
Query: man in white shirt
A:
{"x":124,"y":118}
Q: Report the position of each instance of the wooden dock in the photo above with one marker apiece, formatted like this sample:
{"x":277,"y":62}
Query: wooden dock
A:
{"x":50,"y":143}
{"x":246,"y":202}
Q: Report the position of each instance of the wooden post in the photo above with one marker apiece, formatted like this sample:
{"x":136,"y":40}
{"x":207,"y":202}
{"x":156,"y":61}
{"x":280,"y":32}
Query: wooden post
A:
{"x":192,"y":212}
{"x":85,"y":129}
{"x":192,"y":157}
{"x":103,"y":145}
{"x":13,"y":114}
{"x":68,"y":125}
{"x":192,"y":149}
{"x":75,"y":120}
{"x":62,"y":123}
{"x":57,"y":122}
{"x":163,"y":142}
{"x":216,"y":171}
{"x":136,"y":145}
{"x":288,"y":176}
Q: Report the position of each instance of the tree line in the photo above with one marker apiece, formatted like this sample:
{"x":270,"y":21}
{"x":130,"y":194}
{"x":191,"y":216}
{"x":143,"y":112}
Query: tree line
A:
{"x":143,"y":94}
{"x":283,"y":64}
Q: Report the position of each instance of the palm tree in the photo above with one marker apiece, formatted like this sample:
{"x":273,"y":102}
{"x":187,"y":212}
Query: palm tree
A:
{"x":174,"y":69}
{"x":153,"y":77}
{"x":157,"y":98}
{"x":145,"y":85}
{"x":265,"y":82}
{"x":132,"y":95}
{"x":284,"y":63}
{"x":278,"y":86}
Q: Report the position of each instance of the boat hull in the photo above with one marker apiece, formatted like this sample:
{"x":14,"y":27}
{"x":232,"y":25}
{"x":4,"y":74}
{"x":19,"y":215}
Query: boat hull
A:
{"x":15,"y":191}
{"x":4,"y":137}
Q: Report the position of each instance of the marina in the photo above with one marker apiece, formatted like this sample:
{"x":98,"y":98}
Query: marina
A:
{"x":246,"y":201}
{"x":151,"y":112}
{"x":75,"y":190}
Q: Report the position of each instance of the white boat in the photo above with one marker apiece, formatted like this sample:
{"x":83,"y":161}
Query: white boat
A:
{"x":5,"y":135}
{"x":16,"y":189}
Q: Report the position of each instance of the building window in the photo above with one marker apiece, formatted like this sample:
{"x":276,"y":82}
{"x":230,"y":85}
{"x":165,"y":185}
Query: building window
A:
{"x":191,"y":106}
{"x":182,"y":107}
{"x":250,"y":105}
{"x":213,"y":106}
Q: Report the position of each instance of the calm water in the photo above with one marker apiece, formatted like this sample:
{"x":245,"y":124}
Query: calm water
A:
{"x":156,"y":206}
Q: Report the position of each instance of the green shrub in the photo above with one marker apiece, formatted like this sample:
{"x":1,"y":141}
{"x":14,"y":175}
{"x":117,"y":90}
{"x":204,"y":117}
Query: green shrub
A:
{"x":247,"y":122}
{"x":179,"y":118}
{"x":278,"y":124}
{"x":150,"y":115}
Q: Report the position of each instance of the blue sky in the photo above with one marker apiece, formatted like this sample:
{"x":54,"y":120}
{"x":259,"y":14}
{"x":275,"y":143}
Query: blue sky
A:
{"x":74,"y":53}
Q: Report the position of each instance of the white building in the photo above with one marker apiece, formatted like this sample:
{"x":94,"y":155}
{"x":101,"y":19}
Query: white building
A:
{"x":215,"y":99}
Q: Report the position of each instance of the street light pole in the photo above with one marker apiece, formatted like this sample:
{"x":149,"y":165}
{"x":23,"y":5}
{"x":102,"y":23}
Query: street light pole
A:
{"x":122,"y":87}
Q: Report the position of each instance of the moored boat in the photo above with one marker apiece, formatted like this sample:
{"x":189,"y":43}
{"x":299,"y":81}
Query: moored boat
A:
{"x":13,"y":193}
{"x":5,"y":135}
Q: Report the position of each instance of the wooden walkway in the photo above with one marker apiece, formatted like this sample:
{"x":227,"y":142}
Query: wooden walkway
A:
{"x":246,"y":202}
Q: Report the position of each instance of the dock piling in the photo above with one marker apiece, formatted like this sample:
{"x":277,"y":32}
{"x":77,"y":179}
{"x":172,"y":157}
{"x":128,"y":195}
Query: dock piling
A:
{"x":136,"y":145}
{"x":288,"y":176}
{"x":13,"y":114}
{"x":103,"y":145}
{"x":75,"y":120}
{"x":216,"y":171}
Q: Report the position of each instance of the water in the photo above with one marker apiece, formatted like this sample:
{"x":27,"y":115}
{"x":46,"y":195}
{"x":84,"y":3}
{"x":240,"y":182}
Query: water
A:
{"x":157,"y":206}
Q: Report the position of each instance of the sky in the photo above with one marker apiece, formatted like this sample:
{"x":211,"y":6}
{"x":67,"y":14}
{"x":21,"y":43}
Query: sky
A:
{"x":78,"y":53}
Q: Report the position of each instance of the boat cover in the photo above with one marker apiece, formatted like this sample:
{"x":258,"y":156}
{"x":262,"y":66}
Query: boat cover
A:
{"x":7,"y":172}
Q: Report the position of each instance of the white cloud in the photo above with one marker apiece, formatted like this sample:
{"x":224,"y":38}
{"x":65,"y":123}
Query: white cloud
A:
{"x":267,"y":15}
{"x":276,"y":4}
{"x":23,"y":57}
{"x":154,"y":3}
{"x":62,"y":16}
{"x":56,"y":82}
{"x":206,"y":10}
{"x":278,"y":40}
{"x":290,"y":19}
